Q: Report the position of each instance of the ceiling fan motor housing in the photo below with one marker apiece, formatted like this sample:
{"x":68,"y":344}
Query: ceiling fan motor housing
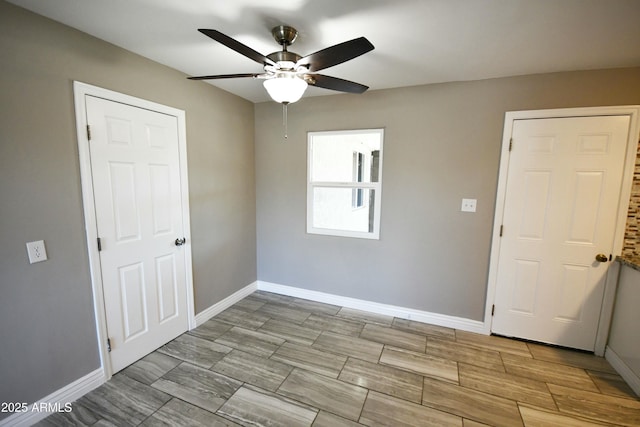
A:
{"x":284,"y":55}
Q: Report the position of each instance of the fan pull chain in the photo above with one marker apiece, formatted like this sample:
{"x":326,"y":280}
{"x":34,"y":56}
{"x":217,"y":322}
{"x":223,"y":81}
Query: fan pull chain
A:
{"x":284,"y":120}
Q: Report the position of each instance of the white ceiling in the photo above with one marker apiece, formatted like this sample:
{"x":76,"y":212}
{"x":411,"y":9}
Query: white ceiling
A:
{"x":416,"y":41}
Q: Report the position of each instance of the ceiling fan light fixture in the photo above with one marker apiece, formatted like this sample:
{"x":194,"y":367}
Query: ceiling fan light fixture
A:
{"x":285,"y":88}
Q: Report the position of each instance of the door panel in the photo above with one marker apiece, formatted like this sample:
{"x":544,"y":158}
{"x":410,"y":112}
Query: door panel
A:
{"x":167,"y":287}
{"x":125,"y":205}
{"x":160,"y":179}
{"x":535,"y":199}
{"x":587,"y":195}
{"x":525,"y":286}
{"x":136,"y":182}
{"x":563,"y":186}
{"x":133,"y":304}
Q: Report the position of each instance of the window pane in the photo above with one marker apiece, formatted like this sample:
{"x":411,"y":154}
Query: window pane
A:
{"x":352,"y":157}
{"x":334,"y":209}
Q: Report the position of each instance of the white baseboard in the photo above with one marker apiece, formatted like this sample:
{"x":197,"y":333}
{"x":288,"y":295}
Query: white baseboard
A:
{"x":221,"y":306}
{"x":625,"y":372}
{"x":374,"y":307}
{"x":58,"y":399}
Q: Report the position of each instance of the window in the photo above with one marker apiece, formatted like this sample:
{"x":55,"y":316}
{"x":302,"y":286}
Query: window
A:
{"x":344,"y":183}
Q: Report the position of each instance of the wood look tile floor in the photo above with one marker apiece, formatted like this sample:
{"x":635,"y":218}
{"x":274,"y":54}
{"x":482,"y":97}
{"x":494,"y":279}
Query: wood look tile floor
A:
{"x":273,"y":360}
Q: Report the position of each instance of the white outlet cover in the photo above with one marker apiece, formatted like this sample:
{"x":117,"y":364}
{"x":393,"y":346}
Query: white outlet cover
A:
{"x":468,"y":205}
{"x":36,"y":251}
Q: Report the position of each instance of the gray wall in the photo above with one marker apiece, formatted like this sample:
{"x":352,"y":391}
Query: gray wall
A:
{"x":442,"y":143}
{"x":47,"y":328}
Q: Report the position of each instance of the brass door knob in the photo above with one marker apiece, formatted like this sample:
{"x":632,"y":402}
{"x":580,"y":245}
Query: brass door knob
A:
{"x":602,"y":258}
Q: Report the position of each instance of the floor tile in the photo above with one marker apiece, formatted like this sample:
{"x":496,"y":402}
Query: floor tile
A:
{"x":242,"y":318}
{"x":612,"y":384}
{"x":258,"y":371}
{"x":548,"y":372}
{"x":179,"y":413}
{"x":283,"y":312}
{"x":385,"y":379}
{"x":348,"y":346}
{"x":210,"y":330}
{"x":470,"y":423}
{"x":315,"y":307}
{"x":272,"y":297}
{"x":383,"y":410}
{"x":570,"y":357}
{"x":394,"y":337}
{"x":124,"y":401}
{"x":250,"y":406}
{"x":79,"y":416}
{"x":471,"y":404}
{"x":250,"y":341}
{"x":249,"y":303}
{"x":290,"y":331}
{"x":195,"y":350}
{"x":505,"y":385}
{"x":420,"y":363}
{"x":198,"y":386}
{"x":534,"y":417}
{"x":104,"y":423}
{"x":325,"y":393}
{"x":309,"y":358}
{"x":326,"y":419}
{"x":492,"y":342}
{"x":151,"y":367}
{"x":596,"y":406}
{"x":335,"y":324}
{"x":424,"y":328}
{"x":365,"y":316}
{"x":466,"y":353}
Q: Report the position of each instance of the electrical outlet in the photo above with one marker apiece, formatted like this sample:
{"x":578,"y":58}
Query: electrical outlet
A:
{"x":468,"y":205}
{"x":36,"y":251}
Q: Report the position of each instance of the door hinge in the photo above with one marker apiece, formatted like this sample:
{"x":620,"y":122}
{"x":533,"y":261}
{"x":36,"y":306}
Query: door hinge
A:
{"x":109,"y":345}
{"x":99,"y":245}
{"x":493,"y":309}
{"x":610,"y":257}
{"x":510,"y":144}
{"x":501,"y":229}
{"x":89,"y":132}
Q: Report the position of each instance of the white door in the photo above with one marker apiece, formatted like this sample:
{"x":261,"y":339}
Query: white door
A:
{"x":136,"y":183}
{"x":562,"y":196}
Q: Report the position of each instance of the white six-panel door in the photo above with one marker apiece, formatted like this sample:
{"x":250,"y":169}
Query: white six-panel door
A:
{"x":561,"y":204}
{"x":136,"y":183}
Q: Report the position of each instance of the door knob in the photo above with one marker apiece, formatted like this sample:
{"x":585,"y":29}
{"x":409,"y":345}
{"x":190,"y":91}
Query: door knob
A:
{"x":180,"y":242}
{"x":602,"y":258}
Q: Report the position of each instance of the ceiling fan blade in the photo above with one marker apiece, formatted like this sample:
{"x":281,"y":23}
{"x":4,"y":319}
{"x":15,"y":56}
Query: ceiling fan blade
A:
{"x":336,"y":54}
{"x":334,"y":83}
{"x":225,"y":76}
{"x":237,"y":46}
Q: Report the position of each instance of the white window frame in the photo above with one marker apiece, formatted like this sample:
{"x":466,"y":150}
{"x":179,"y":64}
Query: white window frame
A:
{"x":376,"y":186}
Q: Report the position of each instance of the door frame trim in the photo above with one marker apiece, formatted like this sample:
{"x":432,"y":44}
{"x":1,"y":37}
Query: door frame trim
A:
{"x":81,"y":90}
{"x":633,"y":111}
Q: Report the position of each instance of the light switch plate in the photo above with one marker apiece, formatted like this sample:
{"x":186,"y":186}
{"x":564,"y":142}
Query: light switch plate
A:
{"x":36,"y":251}
{"x":469,"y":205}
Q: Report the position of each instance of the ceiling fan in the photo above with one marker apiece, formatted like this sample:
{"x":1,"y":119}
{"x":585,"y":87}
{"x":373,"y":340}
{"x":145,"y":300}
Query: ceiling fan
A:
{"x":287,"y":74}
